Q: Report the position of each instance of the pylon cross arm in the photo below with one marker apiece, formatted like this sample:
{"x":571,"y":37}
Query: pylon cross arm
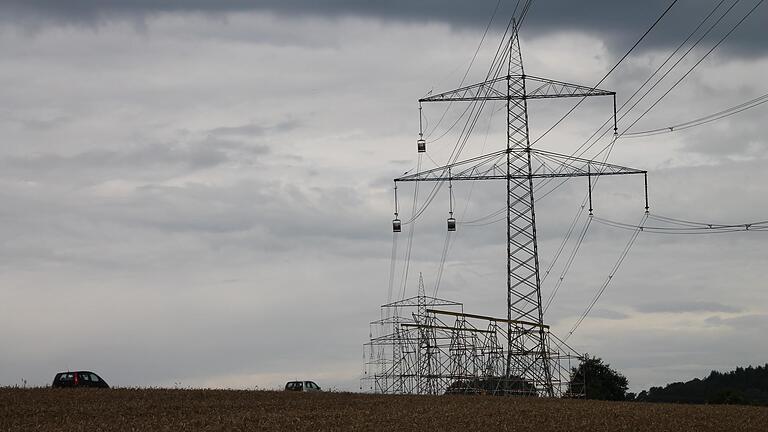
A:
{"x":545,"y":164}
{"x":497,"y":89}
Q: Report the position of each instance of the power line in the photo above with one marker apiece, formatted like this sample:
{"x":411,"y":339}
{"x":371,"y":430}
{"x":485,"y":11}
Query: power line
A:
{"x":494,"y":71}
{"x":581,"y":150}
{"x":702,"y":120}
{"x":608,"y":280}
{"x":563,"y":243}
{"x":610,"y":146}
{"x":471,"y":122}
{"x":735,"y":26}
{"x":463,"y":79}
{"x":584,"y":231}
{"x":411,"y":229}
{"x":689,"y":228}
{"x":744,"y":18}
{"x":582,"y":99}
{"x":392,"y":262}
{"x":569,"y":263}
{"x":609,"y":72}
{"x":686,"y":227}
{"x":571,"y":227}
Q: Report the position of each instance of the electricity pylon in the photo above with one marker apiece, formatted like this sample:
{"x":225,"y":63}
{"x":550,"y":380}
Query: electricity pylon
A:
{"x":527,"y":350}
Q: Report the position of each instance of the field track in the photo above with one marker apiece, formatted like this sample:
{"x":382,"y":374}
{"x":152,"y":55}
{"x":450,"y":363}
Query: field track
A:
{"x":224,"y":410}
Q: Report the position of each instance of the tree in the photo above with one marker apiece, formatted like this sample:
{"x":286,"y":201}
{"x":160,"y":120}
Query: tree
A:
{"x":599,"y":380}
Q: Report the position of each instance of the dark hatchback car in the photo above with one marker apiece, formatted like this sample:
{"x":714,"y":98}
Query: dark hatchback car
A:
{"x":78,"y":379}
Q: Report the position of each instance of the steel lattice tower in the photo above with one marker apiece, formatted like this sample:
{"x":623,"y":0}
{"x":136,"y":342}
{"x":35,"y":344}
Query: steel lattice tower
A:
{"x":528,"y":356}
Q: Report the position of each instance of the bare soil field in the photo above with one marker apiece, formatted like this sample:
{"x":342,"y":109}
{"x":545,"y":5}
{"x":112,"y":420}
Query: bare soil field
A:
{"x":230,"y":410}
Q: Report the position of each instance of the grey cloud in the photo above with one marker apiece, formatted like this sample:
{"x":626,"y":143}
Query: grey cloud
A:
{"x":145,"y":156}
{"x":289,"y":214}
{"x":609,"y":314}
{"x":255,"y":130}
{"x":752,"y":321}
{"x":741,"y":138}
{"x":685,"y":306}
{"x":107,"y":164}
{"x":44,"y":124}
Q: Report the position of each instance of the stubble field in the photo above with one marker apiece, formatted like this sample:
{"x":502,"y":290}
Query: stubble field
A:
{"x":229,"y":410}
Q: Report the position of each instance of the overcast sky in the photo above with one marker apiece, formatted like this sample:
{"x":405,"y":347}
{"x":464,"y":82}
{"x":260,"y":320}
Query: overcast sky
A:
{"x":198,"y":193}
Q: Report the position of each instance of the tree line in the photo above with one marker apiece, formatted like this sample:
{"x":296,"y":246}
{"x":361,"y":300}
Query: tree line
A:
{"x":598,"y":380}
{"x":744,"y":386}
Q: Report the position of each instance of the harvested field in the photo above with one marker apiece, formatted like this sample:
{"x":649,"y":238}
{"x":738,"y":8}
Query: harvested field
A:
{"x":223,"y":410}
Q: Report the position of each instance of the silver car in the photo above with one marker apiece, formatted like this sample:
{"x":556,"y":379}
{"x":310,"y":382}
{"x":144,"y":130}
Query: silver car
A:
{"x":302,"y":386}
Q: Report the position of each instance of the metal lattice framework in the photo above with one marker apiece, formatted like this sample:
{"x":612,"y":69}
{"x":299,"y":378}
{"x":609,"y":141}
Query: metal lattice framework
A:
{"x":517,"y":353}
{"x":419,"y":349}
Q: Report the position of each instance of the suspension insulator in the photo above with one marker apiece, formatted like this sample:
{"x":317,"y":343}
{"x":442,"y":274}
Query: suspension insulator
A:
{"x":451,"y":224}
{"x":421,"y":145}
{"x":397,"y":226}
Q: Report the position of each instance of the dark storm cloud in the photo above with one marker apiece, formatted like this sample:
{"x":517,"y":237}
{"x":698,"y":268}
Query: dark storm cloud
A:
{"x":618,"y":23}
